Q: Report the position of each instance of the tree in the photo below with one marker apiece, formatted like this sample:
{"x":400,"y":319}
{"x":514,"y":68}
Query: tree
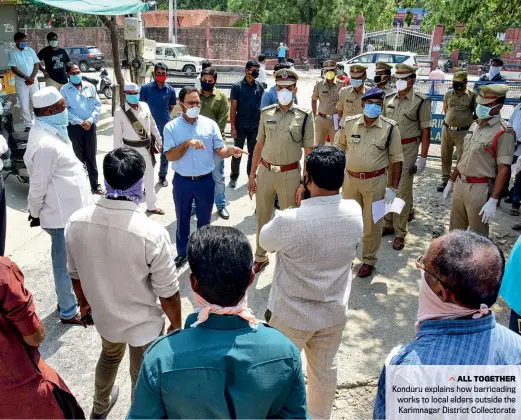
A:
{"x":110,"y":23}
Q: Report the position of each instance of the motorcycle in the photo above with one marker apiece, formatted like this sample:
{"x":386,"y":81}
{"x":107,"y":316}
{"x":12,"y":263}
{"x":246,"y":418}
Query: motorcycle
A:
{"x":448,"y":65}
{"x":463,"y":65}
{"x":105,"y":84}
{"x":304,"y":62}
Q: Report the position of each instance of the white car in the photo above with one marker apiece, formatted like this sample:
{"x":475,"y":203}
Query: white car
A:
{"x":178,"y":58}
{"x":370,"y":59}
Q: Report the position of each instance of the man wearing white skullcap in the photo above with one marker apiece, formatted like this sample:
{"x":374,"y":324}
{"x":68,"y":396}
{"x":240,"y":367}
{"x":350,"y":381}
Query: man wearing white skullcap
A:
{"x":58,"y":186}
{"x":134,"y":126}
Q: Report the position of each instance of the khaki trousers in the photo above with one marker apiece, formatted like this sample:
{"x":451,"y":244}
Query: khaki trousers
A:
{"x":366,"y":192}
{"x":399,"y":221}
{"x":323,"y":127}
{"x":449,"y":139}
{"x":107,"y":369}
{"x":269,"y":183}
{"x":467,"y":201}
{"x":50,"y":82}
{"x":321,"y":348}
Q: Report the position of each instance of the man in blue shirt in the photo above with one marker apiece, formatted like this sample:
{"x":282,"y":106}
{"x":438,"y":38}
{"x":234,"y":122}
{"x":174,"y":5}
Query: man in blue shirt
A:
{"x":225,"y":363}
{"x":84,"y":110}
{"x":461,"y":276}
{"x":281,"y":52}
{"x":189,"y":142}
{"x":160,"y":97}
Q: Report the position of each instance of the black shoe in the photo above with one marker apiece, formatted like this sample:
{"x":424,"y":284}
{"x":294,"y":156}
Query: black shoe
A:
{"x":233,"y":183}
{"x":441,"y":187}
{"x":223,"y":213}
{"x":180,"y":260}
{"x":113,"y":398}
{"x":163,"y":182}
{"x":27,"y":129}
{"x":507,"y":200}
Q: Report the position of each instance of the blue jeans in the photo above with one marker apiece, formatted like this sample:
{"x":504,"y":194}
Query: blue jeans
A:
{"x":163,"y":165}
{"x":185,"y":191}
{"x":219,"y":195}
{"x":62,"y":281}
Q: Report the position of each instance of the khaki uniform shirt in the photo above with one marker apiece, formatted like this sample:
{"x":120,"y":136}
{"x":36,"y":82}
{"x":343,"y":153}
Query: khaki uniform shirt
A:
{"x":460,"y":108}
{"x":388,"y":89}
{"x":327,"y":96}
{"x":476,"y":161}
{"x":350,"y":102}
{"x":366,"y":147}
{"x":281,"y":134}
{"x":412,"y":112}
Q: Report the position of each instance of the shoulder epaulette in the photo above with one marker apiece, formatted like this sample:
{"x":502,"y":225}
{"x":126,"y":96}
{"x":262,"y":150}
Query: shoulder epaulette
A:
{"x":302,"y":109}
{"x":268,"y":107}
{"x":352,"y":117}
{"x":421,"y":95}
{"x":388,"y":120}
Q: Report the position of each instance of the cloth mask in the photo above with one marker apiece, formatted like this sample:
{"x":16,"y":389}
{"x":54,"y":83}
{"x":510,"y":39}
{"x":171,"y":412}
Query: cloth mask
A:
{"x":161,"y":79}
{"x":193,"y":112}
{"x":132,"y":98}
{"x":284,"y":96}
{"x":430,"y":306}
{"x":356,"y":82}
{"x":401,"y":84}
{"x":53,"y":43}
{"x":340,"y":72}
{"x":493,"y":72}
{"x":458,"y":85}
{"x":330,"y":75}
{"x":207,"y":87}
{"x":133,"y":193}
{"x":483,"y":111}
{"x":23,"y":45}
{"x":59,"y":122}
{"x":255,"y":74}
{"x":372,"y":110}
{"x":75,"y":79}
{"x":206,"y":308}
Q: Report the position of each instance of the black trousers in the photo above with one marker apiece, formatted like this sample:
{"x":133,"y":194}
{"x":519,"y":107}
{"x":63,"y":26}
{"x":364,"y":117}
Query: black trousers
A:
{"x":84,"y":143}
{"x":248,"y":135}
{"x":3,"y":214}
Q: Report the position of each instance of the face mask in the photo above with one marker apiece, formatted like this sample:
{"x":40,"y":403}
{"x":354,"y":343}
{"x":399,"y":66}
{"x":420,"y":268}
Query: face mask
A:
{"x":161,"y":79}
{"x":23,"y":45}
{"x":255,"y":74}
{"x":75,"y":79}
{"x":378,"y":79}
{"x":207,"y":87}
{"x":330,"y":75}
{"x":401,"y":84}
{"x":58,"y":121}
{"x":193,"y":112}
{"x":339,"y":72}
{"x":133,"y":98}
{"x":284,"y":97}
{"x":356,"y":82}
{"x":372,"y":110}
{"x":458,"y":85}
{"x":53,"y":43}
{"x":483,"y":111}
{"x":494,"y":71}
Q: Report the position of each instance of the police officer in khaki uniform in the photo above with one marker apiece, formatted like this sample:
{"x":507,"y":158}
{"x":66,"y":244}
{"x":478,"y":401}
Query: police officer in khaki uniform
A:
{"x":326,"y":93}
{"x":484,"y":167}
{"x":382,"y":77}
{"x":459,"y":104}
{"x":350,"y":98}
{"x":412,"y":111}
{"x":372,"y":143}
{"x":285,"y":129}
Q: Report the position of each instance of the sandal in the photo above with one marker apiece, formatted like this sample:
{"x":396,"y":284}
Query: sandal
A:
{"x":514,"y":212}
{"x":157,"y":211}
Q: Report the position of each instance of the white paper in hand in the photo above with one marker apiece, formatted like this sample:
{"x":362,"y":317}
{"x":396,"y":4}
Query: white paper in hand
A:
{"x":516,"y":167}
{"x":380,"y":209}
{"x":335,"y":121}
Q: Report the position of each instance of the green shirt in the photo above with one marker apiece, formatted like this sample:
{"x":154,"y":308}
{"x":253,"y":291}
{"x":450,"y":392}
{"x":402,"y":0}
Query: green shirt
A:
{"x":216,"y":108}
{"x":222,"y":368}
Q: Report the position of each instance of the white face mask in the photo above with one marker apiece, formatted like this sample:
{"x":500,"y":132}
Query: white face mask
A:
{"x":494,"y":71}
{"x":401,"y":84}
{"x":193,"y":112}
{"x":284,"y":97}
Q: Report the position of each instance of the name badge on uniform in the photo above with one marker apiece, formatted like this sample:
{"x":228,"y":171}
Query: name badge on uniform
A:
{"x":349,"y":102}
{"x":271,"y":122}
{"x":325,"y":91}
{"x":355,"y":136}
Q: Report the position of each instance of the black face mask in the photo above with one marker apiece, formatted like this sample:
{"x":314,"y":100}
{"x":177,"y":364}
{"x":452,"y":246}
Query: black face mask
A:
{"x":458,"y":85}
{"x":207,"y":87}
{"x":378,"y":79}
{"x":255,"y":74}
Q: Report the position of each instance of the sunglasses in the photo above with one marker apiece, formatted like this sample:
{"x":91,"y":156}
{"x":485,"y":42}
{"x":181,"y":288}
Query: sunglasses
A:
{"x":421,"y":266}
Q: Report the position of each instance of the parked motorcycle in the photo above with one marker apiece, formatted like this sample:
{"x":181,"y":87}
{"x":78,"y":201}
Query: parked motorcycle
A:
{"x":105,"y":86}
{"x":448,"y":65}
{"x":463,"y":65}
{"x":304,"y":62}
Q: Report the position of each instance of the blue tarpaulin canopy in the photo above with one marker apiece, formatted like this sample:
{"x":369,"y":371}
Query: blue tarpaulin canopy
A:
{"x":98,"y":7}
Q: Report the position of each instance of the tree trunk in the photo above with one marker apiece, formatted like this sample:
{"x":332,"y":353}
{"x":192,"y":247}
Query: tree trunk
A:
{"x":110,"y":23}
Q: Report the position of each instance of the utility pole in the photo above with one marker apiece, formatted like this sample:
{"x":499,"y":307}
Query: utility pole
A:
{"x":170,"y":20}
{"x":175,"y":20}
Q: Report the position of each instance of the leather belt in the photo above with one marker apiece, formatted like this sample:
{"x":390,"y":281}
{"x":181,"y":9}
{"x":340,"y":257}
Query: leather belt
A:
{"x":326,"y":116}
{"x":194,"y":178}
{"x":367,"y":175}
{"x":453,"y":128}
{"x":409,"y":140}
{"x":137,"y":143}
{"x":279,"y":168}
{"x":474,"y":180}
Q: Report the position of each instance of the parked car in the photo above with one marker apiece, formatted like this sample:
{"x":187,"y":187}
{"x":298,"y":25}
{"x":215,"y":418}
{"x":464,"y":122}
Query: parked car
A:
{"x":178,"y":58}
{"x":371,"y":58}
{"x":87,"y":56}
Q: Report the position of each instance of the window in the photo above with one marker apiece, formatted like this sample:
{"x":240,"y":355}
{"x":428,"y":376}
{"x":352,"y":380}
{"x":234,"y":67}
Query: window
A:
{"x":93,"y":50}
{"x":76,"y":51}
{"x":159,"y":51}
{"x":182,"y":51}
{"x":366,"y":58}
{"x":169,"y":52}
{"x":386,"y":58}
{"x":400,"y":58}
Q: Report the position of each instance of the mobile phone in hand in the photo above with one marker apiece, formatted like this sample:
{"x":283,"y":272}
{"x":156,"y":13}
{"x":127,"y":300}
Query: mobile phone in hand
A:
{"x":87,"y":319}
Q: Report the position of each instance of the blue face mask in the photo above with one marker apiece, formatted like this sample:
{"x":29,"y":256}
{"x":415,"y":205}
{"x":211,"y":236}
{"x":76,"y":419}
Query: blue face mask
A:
{"x":58,"y":121}
{"x":356,"y":82}
{"x":23,"y":45}
{"x":133,"y":98}
{"x":75,"y":78}
{"x":372,"y":110}
{"x":483,"y":111}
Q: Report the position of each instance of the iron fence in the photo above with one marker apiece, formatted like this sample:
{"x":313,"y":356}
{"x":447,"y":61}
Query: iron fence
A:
{"x":272,"y":36}
{"x":323,"y":44}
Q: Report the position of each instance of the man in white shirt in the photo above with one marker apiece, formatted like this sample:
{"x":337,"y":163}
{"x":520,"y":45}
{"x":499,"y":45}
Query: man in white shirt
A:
{"x":315,"y":246}
{"x":24,"y":63}
{"x":58,"y":186}
{"x":121,"y":262}
{"x":125,"y":134}
{"x":262,"y":71}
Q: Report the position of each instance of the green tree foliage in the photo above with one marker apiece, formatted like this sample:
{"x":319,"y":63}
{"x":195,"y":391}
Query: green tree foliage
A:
{"x":34,"y":15}
{"x":221,"y":5}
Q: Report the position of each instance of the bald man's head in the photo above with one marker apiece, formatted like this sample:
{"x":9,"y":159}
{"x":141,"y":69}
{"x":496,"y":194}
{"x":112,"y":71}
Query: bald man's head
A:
{"x":470,"y":265}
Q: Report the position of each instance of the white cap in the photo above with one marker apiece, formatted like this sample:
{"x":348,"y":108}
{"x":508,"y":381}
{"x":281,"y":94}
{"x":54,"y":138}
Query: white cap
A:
{"x":131,"y":87}
{"x":281,"y":44}
{"x":46,"y":97}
